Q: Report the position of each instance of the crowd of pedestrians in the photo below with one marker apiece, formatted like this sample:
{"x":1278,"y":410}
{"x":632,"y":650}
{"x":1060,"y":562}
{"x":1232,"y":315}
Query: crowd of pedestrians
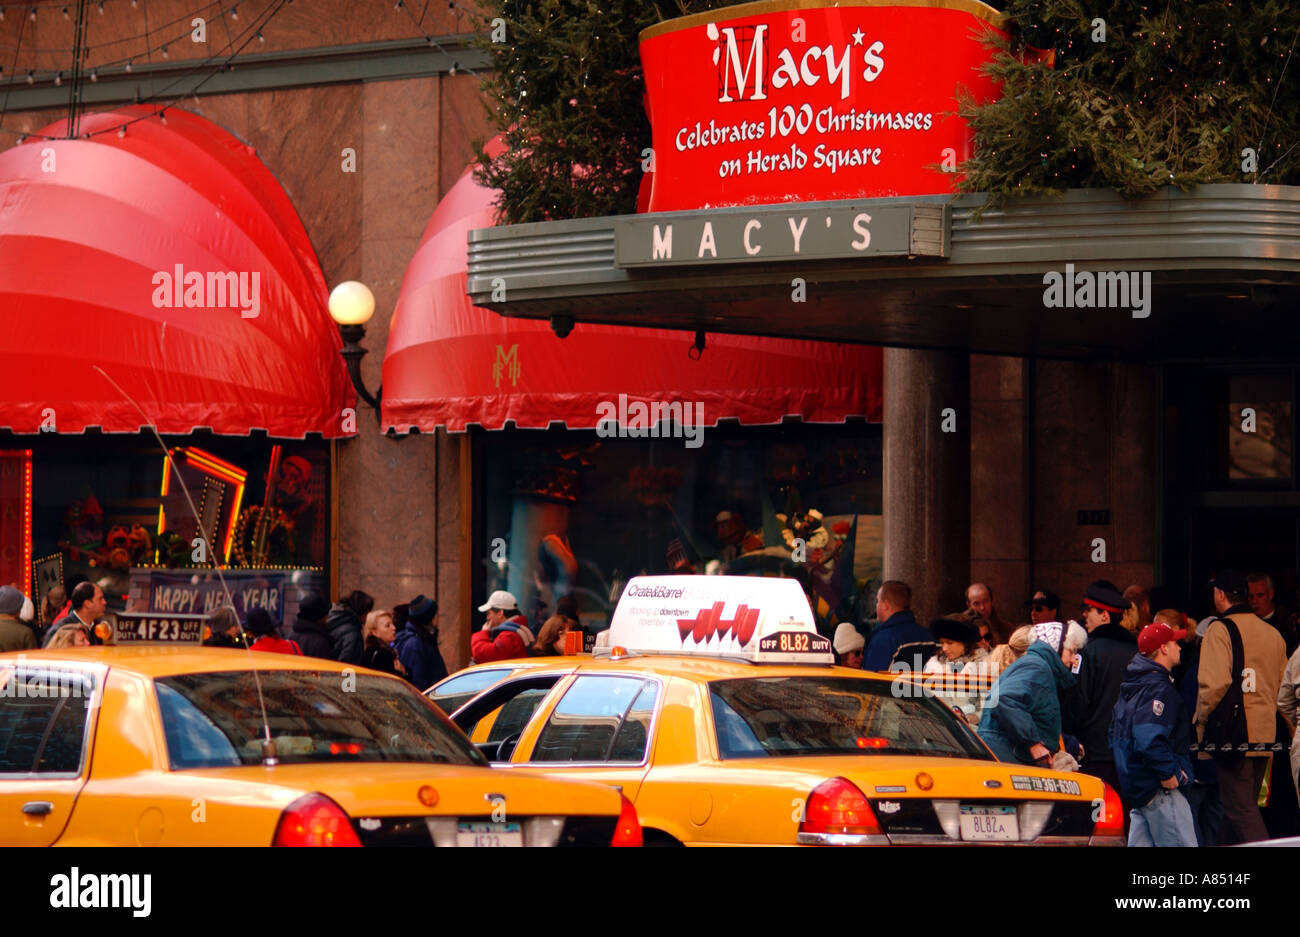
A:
{"x":1193,"y":724}
{"x":402,"y":641}
{"x":72,"y":622}
{"x":351,"y":630}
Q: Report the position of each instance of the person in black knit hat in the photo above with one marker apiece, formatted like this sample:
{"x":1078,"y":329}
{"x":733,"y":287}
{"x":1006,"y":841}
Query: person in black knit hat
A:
{"x":417,"y":644}
{"x":309,"y":630}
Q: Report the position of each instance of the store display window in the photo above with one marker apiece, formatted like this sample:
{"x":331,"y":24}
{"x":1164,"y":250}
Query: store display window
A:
{"x":111,"y":508}
{"x":571,"y":512}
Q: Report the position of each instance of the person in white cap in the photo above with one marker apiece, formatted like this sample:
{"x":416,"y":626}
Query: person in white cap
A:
{"x":499,"y":606}
{"x":505,"y":635}
{"x":848,"y":645}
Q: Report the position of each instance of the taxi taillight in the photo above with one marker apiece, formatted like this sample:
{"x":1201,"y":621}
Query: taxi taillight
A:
{"x":628,"y":831}
{"x":314,"y":820}
{"x":838,"y":807}
{"x":1111,"y":822}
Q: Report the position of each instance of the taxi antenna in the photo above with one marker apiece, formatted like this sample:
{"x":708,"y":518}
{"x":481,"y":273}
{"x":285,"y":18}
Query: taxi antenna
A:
{"x":268,"y":744}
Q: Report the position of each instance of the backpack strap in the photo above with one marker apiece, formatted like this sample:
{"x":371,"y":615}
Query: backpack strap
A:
{"x":1238,"y":650}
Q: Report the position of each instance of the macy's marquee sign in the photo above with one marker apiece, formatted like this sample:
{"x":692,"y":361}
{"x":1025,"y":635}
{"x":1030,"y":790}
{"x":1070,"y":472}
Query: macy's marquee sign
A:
{"x":790,"y":100}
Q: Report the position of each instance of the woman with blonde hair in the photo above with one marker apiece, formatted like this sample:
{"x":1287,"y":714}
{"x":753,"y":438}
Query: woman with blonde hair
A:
{"x":70,"y":636}
{"x":1004,"y":655}
{"x":377,"y":636}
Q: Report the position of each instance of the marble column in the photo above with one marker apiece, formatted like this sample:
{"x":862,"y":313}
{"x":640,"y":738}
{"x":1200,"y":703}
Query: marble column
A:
{"x":927,"y":476}
{"x":1001,"y":515}
{"x":389,"y":500}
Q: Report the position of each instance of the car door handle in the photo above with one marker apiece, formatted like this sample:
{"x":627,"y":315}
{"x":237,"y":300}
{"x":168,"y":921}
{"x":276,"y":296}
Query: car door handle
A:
{"x":38,"y":808}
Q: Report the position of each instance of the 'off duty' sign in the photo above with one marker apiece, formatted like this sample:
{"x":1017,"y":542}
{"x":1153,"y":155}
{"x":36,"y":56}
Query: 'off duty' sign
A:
{"x":149,"y":628}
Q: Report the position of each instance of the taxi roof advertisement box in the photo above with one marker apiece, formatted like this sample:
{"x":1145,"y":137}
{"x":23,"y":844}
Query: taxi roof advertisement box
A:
{"x":759,"y":619}
{"x":795,"y":100}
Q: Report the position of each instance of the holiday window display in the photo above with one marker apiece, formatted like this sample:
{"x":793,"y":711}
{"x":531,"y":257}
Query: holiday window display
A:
{"x":268,"y":534}
{"x":666,"y":508}
{"x":282,"y":527}
{"x":199,"y":516}
{"x":217,"y":486}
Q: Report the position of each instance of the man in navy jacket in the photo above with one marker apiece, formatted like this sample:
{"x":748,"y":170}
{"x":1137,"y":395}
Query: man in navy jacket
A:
{"x":897,"y":626}
{"x":417,"y":644}
{"x":1151,"y":737}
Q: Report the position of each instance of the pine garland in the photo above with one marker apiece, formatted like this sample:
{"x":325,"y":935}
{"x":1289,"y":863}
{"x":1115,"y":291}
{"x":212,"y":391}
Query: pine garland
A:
{"x":567,"y":93}
{"x":1172,"y":97}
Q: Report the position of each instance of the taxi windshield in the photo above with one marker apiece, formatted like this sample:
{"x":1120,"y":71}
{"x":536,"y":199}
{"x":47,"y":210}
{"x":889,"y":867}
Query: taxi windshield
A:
{"x":779,"y":716}
{"x":213,"y":720}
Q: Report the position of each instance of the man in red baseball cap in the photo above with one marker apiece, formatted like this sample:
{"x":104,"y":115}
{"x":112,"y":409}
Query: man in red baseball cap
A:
{"x":1151,"y":737}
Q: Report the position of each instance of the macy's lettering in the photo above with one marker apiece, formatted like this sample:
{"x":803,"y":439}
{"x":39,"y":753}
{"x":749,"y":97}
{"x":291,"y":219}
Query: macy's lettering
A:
{"x":816,"y":63}
{"x":661,"y":247}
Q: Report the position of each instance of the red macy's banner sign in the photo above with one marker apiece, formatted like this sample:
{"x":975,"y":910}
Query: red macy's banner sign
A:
{"x":793,"y":100}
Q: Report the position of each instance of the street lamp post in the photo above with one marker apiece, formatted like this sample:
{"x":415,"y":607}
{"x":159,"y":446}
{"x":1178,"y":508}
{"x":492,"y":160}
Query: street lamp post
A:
{"x":351,"y":306}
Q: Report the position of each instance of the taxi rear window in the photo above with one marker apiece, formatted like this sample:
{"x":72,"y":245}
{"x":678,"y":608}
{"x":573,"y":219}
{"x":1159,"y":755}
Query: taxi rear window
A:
{"x":214,"y":720}
{"x":779,"y":716}
{"x":469,"y":684}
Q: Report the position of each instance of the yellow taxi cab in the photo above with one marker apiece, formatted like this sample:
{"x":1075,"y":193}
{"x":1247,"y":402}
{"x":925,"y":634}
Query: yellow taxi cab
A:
{"x":450,"y":693}
{"x":178,"y":745}
{"x":719,"y":714}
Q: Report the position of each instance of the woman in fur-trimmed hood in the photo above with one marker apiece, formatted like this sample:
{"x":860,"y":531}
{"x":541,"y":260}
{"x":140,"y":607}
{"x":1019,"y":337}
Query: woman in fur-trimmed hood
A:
{"x":958,"y":639}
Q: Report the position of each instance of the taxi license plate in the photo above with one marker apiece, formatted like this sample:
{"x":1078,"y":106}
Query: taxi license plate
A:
{"x":989,"y":824}
{"x":489,"y":834}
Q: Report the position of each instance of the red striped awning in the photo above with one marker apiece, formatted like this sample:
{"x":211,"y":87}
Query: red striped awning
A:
{"x":168,"y":257}
{"x":450,"y":363}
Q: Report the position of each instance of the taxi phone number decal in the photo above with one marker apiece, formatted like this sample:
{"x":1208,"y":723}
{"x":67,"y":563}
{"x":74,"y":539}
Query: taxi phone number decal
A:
{"x":169,"y":630}
{"x":1049,"y":785}
{"x":794,"y":642}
